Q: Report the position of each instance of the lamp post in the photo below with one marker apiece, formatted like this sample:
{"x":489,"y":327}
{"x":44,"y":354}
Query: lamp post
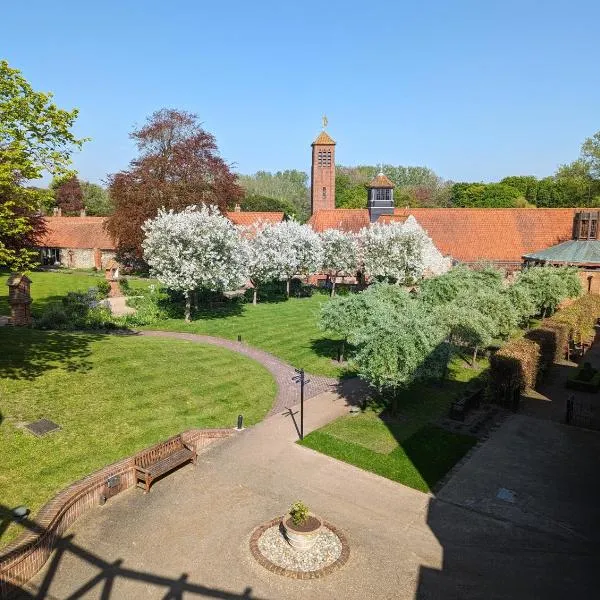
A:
{"x":299,"y":378}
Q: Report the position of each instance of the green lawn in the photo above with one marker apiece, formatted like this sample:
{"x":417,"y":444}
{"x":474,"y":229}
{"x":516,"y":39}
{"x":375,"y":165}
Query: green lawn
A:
{"x":48,"y":287}
{"x":287,"y":329}
{"x":112,"y":396}
{"x":406,"y":448}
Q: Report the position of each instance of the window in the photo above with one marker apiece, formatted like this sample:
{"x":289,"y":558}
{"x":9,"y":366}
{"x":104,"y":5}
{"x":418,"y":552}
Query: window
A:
{"x":594,"y":229}
{"x":382,"y":194}
{"x":50,"y":256}
{"x":583,"y":229}
{"x":324,"y":193}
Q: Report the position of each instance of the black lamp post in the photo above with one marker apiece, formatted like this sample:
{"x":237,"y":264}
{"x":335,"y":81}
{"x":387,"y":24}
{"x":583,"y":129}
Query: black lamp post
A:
{"x":299,"y":378}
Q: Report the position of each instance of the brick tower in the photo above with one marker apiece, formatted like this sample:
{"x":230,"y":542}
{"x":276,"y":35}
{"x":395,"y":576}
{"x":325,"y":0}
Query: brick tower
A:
{"x":322,"y":174}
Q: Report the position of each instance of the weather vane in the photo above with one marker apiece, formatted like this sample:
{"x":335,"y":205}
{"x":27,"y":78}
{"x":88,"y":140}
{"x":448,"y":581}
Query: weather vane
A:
{"x":325,"y":121}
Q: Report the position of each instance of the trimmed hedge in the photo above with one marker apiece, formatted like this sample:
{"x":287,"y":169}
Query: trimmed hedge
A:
{"x":522,"y":362}
{"x":515,"y":364}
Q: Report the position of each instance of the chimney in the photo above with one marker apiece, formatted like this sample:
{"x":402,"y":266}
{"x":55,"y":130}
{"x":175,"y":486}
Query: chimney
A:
{"x":82,"y":212}
{"x":237,"y":208}
{"x":55,"y":212}
{"x":59,"y":212}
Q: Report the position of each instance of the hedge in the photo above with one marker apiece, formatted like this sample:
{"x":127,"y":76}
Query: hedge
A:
{"x":516,"y":364}
{"x":521,"y":362}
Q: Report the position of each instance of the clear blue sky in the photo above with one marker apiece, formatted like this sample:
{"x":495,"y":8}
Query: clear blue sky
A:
{"x":475,"y":89}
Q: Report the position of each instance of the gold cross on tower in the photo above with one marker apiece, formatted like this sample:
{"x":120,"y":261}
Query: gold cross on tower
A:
{"x":325,"y":121}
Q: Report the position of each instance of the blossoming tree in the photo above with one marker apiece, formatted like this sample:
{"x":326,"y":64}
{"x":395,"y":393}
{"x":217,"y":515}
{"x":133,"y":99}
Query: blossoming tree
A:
{"x":197,"y":247}
{"x":340,"y":254}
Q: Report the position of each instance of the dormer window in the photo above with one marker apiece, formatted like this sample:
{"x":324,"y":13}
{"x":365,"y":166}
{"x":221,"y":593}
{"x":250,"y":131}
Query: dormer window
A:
{"x":383,"y":194}
{"x":586,"y":225}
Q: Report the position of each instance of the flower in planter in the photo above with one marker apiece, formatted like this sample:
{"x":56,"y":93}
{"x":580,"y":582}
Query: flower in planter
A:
{"x":299,"y":513}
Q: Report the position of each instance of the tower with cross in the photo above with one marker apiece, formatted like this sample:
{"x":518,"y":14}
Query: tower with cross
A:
{"x":322,"y":186}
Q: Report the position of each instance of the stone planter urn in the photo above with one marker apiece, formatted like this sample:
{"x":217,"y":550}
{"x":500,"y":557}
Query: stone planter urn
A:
{"x":301,"y":537}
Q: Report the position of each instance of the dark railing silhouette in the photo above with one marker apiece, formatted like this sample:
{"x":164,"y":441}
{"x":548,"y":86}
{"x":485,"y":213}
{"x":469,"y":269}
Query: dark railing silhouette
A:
{"x":108,"y":574}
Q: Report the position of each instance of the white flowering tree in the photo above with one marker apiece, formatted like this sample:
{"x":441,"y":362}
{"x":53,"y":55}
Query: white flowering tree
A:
{"x":390,"y":253}
{"x":303,"y":248}
{"x":340,"y":254}
{"x":271,"y":255}
{"x":434,"y":262}
{"x":197,"y":247}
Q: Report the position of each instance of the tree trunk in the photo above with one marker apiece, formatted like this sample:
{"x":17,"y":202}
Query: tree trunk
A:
{"x":287,"y":288}
{"x":474,"y":361}
{"x":254,"y":296}
{"x":188,"y":306}
{"x":333,"y":287}
{"x":342,"y":350}
{"x":195,"y":300}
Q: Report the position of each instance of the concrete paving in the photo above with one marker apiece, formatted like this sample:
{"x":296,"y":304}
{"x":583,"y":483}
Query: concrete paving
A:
{"x":189,"y":537}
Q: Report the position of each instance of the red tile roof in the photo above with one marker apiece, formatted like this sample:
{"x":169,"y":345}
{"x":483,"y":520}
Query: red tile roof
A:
{"x":249,"y":218}
{"x":471,"y":234}
{"x":77,"y":232}
{"x":347,"y":219}
{"x":491,"y":234}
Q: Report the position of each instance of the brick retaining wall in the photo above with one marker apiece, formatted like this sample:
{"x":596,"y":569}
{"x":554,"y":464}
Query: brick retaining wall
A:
{"x":24,"y":557}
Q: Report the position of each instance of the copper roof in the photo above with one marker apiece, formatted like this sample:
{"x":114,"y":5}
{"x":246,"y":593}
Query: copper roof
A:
{"x":323,"y":139}
{"x":249,"y":218}
{"x":381,"y":181}
{"x":572,"y":252}
{"x":471,"y":234}
{"x":76,"y":232}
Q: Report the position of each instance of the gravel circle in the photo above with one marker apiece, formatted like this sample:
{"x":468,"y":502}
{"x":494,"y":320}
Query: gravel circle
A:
{"x":272,"y":551}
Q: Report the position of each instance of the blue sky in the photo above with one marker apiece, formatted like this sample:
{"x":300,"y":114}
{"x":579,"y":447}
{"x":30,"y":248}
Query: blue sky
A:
{"x":476,"y":90}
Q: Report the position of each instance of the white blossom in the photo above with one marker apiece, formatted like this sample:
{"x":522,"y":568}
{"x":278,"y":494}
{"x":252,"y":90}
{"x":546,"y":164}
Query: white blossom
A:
{"x":389,"y":252}
{"x":434,"y":262}
{"x":340,"y":254}
{"x":197,"y":247}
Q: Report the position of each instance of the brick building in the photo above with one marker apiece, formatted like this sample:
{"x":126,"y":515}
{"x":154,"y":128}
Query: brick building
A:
{"x":83,"y":242}
{"x":505,"y":237}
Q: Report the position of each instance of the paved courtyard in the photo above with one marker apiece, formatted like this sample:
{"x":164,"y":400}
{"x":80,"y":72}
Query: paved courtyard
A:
{"x":189,"y":537}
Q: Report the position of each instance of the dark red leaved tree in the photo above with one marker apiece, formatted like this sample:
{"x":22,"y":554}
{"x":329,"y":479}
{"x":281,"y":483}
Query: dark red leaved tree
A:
{"x":69,"y":196}
{"x":178,"y":166}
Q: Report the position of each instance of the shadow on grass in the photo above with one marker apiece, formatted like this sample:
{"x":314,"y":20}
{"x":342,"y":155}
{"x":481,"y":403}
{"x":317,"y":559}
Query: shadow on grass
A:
{"x":101,"y":576}
{"x":30,"y":353}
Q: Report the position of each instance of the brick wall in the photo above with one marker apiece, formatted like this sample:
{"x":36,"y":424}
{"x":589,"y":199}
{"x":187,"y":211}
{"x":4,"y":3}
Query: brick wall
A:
{"x":24,"y":557}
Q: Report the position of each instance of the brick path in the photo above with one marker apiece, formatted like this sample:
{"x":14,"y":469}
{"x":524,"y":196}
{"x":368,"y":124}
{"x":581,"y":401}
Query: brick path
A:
{"x":288,"y":392}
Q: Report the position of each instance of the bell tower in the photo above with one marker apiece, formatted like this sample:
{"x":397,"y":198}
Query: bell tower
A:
{"x":322,"y":174}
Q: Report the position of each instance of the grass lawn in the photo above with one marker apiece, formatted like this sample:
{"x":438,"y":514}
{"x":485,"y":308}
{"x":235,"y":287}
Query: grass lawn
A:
{"x":407,"y":449}
{"x":287,"y":329}
{"x":48,"y":287}
{"x":111,"y":396}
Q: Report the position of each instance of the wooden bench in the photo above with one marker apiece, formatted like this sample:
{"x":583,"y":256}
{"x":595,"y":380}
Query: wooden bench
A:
{"x":161,"y":459}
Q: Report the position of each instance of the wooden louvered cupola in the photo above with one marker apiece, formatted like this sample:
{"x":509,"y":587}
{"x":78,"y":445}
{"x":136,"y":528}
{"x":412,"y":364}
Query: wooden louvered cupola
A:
{"x":585,"y":225}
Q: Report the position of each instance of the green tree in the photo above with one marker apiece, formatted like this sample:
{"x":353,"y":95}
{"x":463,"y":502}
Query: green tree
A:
{"x":257,"y":203}
{"x":590,"y":154}
{"x":35,"y":138}
{"x":96,"y":199}
{"x":482,"y":195}
{"x":290,"y":186}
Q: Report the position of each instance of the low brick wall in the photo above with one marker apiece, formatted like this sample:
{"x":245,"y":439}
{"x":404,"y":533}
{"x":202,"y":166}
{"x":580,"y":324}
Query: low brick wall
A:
{"x":24,"y":557}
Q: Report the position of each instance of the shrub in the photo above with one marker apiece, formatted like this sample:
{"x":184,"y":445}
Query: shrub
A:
{"x":299,"y":512}
{"x":546,"y":339}
{"x":103,"y":288}
{"x":77,"y":310}
{"x":150,"y":307}
{"x":516,"y":364}
{"x":585,"y":379}
{"x":125,"y":287}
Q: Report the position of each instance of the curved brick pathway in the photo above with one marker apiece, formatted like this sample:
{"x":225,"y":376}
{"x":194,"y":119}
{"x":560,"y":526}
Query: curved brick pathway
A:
{"x":288,"y":392}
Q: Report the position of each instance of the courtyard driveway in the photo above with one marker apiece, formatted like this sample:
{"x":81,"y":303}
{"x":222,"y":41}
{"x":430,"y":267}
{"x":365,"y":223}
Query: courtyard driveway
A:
{"x":189,"y":537}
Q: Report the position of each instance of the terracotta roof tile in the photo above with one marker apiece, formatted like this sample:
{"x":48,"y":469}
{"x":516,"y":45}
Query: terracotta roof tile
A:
{"x":324,"y":139}
{"x":76,"y":232}
{"x":249,"y":218}
{"x":346,"y":219}
{"x":381,"y":181}
{"x":491,"y":234}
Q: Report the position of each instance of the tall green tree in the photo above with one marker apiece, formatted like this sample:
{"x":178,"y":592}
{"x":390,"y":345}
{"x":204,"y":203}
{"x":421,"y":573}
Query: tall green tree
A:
{"x":35,"y":138}
{"x":290,"y":186}
{"x":96,"y":199}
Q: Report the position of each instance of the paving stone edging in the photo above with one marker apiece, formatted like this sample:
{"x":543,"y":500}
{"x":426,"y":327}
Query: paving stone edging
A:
{"x":25,"y":556}
{"x":262,"y":560}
